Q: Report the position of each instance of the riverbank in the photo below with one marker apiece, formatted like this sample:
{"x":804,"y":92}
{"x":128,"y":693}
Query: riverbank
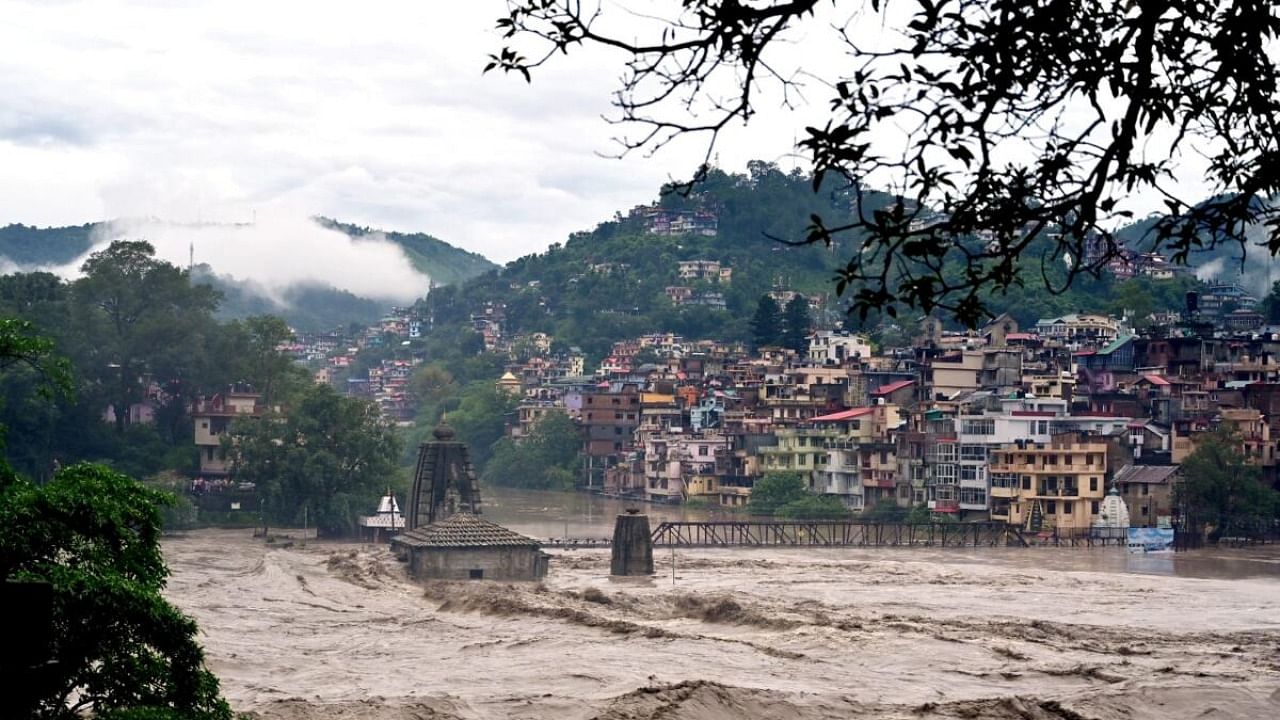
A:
{"x":337,"y":631}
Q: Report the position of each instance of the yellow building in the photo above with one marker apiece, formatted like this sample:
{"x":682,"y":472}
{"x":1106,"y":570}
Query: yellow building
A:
{"x":1043,"y":486}
{"x":798,"y":449}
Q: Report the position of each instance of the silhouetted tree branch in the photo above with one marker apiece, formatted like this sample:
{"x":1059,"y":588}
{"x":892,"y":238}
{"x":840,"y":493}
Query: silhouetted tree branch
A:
{"x":1024,"y":125}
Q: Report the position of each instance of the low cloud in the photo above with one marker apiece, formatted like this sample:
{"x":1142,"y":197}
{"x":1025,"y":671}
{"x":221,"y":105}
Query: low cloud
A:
{"x":275,"y":253}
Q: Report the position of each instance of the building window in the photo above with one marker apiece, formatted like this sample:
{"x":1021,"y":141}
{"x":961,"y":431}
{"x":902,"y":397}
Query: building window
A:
{"x":702,"y":449}
{"x":1093,"y":484}
{"x":1026,"y":482}
{"x":1051,"y":507}
{"x":475,"y":574}
{"x":1066,"y":508}
{"x":1094,"y":507}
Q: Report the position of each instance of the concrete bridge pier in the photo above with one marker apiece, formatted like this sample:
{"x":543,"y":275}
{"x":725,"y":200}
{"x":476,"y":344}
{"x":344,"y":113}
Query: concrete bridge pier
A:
{"x":632,"y":545}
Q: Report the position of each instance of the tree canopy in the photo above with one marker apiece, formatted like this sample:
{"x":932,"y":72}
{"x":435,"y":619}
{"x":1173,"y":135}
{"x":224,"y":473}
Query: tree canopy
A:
{"x":1222,"y":489}
{"x":796,"y":324}
{"x":329,"y":457}
{"x":547,"y":459}
{"x":969,"y":132}
{"x":766,"y":324}
{"x":94,"y":535}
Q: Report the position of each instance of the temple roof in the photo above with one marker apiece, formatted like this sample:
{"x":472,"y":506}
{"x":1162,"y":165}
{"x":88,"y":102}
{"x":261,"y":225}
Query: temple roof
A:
{"x":464,"y":530}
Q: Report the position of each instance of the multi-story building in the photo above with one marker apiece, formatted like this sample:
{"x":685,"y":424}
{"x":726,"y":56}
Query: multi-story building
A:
{"x":1051,"y":485}
{"x":213,"y":417}
{"x":610,"y":416}
{"x":1078,"y":331}
{"x":673,"y":460}
{"x":828,"y":347}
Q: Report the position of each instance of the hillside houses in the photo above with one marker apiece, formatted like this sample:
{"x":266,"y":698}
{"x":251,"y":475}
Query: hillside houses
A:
{"x":1032,"y":429}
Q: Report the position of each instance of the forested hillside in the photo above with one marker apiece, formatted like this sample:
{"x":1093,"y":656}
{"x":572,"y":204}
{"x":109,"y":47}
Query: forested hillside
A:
{"x":445,"y":263}
{"x":306,"y":307}
{"x":28,"y":245}
{"x":610,"y":283}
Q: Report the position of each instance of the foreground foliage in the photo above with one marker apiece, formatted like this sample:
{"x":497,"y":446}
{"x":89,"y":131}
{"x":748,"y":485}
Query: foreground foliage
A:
{"x":997,"y":129}
{"x":93,"y":534}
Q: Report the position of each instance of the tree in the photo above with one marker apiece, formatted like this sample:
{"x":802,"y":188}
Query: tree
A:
{"x":814,"y":507}
{"x":1221,"y":488}
{"x":480,"y":418}
{"x":548,"y":459}
{"x":993,"y":128}
{"x":267,"y":366}
{"x":885,"y":511}
{"x":766,"y":325}
{"x":774,"y":490}
{"x":327,"y":461}
{"x":136,"y":315}
{"x":1270,"y":306}
{"x":21,"y":346}
{"x":795,"y":325}
{"x":94,"y":536}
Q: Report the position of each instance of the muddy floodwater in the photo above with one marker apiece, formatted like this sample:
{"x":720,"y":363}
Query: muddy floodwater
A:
{"x":327,"y":630}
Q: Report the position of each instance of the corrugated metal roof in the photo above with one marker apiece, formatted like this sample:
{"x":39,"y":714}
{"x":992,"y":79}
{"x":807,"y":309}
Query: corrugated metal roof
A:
{"x":464,"y":530}
{"x":1149,"y":474}
{"x":892,"y":387}
{"x":843,"y":415}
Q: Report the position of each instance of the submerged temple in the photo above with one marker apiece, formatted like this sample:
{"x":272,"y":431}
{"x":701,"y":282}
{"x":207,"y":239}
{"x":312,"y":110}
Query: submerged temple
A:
{"x":444,"y":539}
{"x":444,"y":481}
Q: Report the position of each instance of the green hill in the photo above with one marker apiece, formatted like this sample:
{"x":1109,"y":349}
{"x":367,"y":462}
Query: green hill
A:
{"x":306,"y":307}
{"x":611,"y":283}
{"x":28,"y":245}
{"x":444,"y":263}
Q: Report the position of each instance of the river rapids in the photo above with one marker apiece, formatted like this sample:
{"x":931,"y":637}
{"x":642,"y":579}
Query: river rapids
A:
{"x":321,"y":630}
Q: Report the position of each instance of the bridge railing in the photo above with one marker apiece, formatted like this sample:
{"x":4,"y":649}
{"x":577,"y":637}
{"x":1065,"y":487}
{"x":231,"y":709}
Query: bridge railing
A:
{"x":835,"y":533}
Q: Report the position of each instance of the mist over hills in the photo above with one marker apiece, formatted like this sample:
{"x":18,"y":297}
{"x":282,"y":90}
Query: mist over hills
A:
{"x":596,"y":286}
{"x":313,"y":272}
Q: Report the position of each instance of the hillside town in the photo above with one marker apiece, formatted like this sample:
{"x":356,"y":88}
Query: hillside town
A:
{"x":1031,"y":426}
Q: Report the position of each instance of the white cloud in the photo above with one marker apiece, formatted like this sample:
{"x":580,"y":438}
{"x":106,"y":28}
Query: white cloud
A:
{"x":373,"y":112}
{"x":273,"y":253}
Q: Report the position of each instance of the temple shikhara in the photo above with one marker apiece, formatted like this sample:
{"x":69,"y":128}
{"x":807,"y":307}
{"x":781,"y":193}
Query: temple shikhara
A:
{"x":446,"y":539}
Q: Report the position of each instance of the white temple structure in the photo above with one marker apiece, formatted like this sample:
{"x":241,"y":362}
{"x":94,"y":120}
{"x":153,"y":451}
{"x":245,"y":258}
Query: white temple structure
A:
{"x":387,"y":521}
{"x":1113,"y":515}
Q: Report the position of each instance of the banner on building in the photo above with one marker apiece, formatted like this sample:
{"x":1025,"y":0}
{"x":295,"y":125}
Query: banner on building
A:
{"x":1149,"y":540}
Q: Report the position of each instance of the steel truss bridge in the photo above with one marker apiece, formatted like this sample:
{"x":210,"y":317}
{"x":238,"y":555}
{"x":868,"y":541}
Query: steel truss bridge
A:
{"x":835,"y":533}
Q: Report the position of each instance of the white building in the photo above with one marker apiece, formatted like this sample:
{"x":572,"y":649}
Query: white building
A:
{"x":829,"y":347}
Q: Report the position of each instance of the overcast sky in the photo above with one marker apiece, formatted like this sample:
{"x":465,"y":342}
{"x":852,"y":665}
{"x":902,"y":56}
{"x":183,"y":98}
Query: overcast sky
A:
{"x":373,"y":112}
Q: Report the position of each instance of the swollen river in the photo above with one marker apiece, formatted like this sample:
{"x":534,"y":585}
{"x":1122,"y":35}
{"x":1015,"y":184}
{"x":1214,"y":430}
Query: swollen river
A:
{"x":337,"y":631}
